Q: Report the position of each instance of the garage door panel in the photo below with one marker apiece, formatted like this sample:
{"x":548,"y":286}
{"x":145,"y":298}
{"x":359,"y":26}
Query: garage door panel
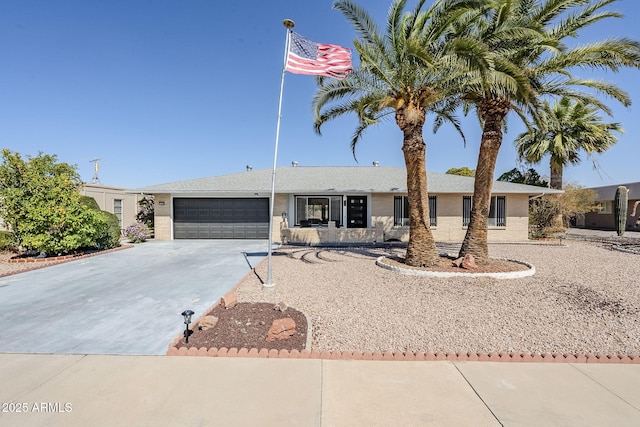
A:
{"x":198,"y":218}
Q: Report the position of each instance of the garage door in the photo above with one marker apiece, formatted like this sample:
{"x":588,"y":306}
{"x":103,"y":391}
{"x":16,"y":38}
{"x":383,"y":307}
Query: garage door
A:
{"x":221,"y":218}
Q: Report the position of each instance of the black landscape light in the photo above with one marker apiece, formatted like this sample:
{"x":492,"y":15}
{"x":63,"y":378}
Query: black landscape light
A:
{"x":187,"y":319}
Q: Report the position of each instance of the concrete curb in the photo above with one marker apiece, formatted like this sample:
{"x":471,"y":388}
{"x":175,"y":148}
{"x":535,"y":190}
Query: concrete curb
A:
{"x":380,"y":261}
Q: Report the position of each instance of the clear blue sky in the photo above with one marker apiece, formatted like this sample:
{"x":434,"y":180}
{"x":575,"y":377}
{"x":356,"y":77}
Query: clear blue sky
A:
{"x":169,"y":90}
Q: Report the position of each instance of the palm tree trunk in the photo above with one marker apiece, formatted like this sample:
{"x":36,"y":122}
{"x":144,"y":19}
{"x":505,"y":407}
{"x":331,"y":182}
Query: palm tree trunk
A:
{"x":556,"y":183}
{"x":421,"y":249}
{"x":556,"y":174}
{"x":493,"y":112}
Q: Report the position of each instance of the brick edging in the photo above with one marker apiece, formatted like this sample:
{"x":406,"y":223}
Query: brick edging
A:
{"x":402,"y":356}
{"x":48,"y":262}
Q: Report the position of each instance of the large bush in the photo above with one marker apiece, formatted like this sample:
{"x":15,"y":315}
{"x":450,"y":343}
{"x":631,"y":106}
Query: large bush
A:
{"x":543,"y":211}
{"x":41,"y":205}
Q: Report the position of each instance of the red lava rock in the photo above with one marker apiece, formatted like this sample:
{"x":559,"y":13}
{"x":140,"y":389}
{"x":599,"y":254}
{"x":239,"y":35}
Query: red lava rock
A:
{"x":207,"y":322}
{"x":229,"y":300}
{"x":468,"y":262}
{"x":281,"y":329}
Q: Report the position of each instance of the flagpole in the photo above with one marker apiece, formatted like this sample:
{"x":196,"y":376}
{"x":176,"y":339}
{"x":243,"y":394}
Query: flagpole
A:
{"x":289,"y":24}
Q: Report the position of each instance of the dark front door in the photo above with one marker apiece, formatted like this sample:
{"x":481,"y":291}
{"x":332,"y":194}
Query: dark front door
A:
{"x":356,"y":211}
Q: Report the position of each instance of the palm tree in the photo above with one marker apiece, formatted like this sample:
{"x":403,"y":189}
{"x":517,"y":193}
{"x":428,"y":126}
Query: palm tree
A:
{"x":525,"y":38}
{"x":413,"y":69}
{"x":571,"y":127}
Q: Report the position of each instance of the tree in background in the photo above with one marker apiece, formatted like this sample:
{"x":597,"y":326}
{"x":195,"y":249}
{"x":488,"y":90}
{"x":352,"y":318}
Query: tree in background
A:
{"x":529,"y":177}
{"x":544,"y":210}
{"x":569,"y":127}
{"x":463,"y":171}
{"x":146,"y":210}
{"x":41,"y":205}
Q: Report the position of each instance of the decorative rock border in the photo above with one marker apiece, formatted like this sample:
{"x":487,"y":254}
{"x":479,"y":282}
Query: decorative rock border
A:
{"x":380,"y":261}
{"x":66,"y":257}
{"x":403,"y":356}
{"x":47,"y":262}
{"x":622,"y":248}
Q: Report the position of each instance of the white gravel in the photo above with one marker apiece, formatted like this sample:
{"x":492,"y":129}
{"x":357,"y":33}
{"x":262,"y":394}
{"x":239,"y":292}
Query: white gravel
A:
{"x":584,"y":298}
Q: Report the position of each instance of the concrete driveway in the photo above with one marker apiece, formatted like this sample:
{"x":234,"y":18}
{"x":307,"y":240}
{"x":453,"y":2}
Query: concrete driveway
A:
{"x":124,"y":302}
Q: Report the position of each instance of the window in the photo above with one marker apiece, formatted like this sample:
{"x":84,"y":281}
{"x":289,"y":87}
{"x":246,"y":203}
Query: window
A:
{"x":605,"y":207}
{"x":117,"y":210}
{"x":318,"y":210}
{"x":401,"y":211}
{"x":497,"y":211}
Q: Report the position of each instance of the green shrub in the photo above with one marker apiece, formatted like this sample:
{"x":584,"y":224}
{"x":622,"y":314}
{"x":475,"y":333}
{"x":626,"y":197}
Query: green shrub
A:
{"x":109,"y":234}
{"x":6,"y":241}
{"x":89,"y":202}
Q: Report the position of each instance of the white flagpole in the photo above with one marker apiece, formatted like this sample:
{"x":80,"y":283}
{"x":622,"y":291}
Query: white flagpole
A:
{"x":289,"y":24}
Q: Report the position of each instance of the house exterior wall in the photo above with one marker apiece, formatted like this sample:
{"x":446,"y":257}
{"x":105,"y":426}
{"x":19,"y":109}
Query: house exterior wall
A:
{"x":163,"y":223}
{"x":449,"y":226}
{"x":606,"y":221}
{"x":106,"y":195}
{"x":449,"y":222}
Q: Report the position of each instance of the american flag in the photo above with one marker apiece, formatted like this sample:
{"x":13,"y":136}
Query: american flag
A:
{"x":317,"y":59}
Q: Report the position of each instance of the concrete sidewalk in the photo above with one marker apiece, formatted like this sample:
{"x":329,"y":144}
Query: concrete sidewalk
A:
{"x":98,"y":390}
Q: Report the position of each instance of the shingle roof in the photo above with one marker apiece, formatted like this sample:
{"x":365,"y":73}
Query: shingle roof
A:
{"x":330,"y":179}
{"x":609,"y":192}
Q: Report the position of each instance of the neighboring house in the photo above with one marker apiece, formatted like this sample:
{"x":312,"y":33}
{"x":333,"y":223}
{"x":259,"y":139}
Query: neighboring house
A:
{"x":330,"y":205}
{"x":602,"y":219}
{"x":115,"y":200}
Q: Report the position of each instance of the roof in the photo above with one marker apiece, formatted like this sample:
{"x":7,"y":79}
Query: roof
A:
{"x":609,"y":192}
{"x":330,"y":179}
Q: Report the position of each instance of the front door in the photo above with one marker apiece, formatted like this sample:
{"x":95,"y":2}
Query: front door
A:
{"x":356,"y":211}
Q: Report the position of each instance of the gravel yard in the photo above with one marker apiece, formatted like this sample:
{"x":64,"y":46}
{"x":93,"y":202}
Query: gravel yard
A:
{"x":584,"y":298}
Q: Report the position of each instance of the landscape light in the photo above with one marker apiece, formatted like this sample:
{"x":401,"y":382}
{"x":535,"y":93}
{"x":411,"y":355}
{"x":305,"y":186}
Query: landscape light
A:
{"x":187,"y":319}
